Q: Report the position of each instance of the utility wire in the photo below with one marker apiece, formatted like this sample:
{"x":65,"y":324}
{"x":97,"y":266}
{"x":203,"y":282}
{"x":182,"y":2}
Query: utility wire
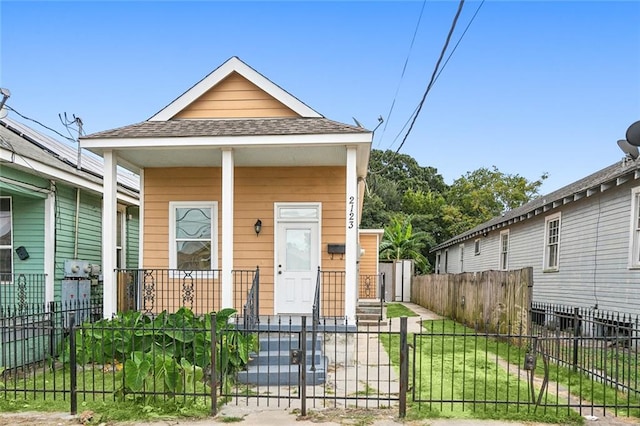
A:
{"x":39,"y":123}
{"x":414,"y":114}
{"x":433,"y":75}
{"x":404,"y":69}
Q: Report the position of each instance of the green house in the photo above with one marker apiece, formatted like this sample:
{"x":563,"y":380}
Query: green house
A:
{"x":51,"y":214}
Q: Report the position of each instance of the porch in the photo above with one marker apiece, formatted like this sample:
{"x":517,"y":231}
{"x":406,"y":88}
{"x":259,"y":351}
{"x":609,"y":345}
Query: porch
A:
{"x":155,"y":290}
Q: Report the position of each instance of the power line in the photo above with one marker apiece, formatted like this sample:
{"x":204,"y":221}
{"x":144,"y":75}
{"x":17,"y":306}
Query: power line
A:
{"x":404,"y":69}
{"x":43,"y":125}
{"x":433,"y":75}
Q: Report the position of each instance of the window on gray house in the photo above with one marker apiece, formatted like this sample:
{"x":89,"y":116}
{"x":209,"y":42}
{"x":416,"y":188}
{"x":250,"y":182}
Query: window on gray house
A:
{"x":552,"y":243}
{"x":504,"y":250}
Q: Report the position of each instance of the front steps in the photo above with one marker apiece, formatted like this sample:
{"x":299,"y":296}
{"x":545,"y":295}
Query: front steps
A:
{"x":272,"y":366}
{"x":370,"y":313}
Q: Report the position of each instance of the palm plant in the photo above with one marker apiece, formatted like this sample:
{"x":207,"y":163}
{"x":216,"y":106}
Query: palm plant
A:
{"x":400,"y":242}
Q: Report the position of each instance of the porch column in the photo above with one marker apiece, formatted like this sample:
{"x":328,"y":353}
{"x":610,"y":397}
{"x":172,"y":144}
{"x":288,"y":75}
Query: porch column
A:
{"x":227,"y":228}
{"x":49,"y":247}
{"x":109,"y":209}
{"x":351,"y":255}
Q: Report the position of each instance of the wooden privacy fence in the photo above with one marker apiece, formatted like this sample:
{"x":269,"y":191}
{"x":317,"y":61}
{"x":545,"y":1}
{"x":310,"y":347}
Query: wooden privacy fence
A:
{"x":479,"y":299}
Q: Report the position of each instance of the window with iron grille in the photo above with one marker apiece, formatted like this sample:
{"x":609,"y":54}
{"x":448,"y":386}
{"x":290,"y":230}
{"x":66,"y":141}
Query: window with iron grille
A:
{"x":552,"y":243}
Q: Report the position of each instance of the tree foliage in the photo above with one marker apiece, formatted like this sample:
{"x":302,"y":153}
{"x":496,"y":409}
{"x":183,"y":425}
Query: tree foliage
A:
{"x":401,"y":242}
{"x":401,"y":195}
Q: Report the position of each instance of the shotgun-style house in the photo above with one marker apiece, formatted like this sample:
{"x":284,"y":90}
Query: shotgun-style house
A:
{"x":50,"y":219}
{"x":247,"y":195}
{"x":582,"y":241}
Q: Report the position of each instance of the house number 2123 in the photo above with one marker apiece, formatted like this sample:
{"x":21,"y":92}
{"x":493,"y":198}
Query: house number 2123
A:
{"x":351,"y":213}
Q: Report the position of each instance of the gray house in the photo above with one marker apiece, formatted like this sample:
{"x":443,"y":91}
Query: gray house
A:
{"x":582,"y":241}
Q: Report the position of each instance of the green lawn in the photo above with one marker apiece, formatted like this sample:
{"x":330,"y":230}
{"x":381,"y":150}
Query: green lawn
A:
{"x":397,"y":310}
{"x":456,"y":365}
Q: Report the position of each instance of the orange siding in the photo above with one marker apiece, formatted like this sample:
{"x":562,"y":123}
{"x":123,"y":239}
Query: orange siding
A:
{"x":235,"y":97}
{"x":368,"y":266}
{"x":256,"y":191}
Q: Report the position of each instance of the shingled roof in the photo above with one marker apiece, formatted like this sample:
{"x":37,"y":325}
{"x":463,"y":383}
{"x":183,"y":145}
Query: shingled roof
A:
{"x":604,"y":179}
{"x":224,"y":127}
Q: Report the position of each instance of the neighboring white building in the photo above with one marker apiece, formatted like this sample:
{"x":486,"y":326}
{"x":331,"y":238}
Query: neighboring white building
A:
{"x":582,"y":241}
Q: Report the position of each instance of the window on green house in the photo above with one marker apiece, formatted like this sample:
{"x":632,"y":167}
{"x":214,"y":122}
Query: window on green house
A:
{"x":6,"y":252}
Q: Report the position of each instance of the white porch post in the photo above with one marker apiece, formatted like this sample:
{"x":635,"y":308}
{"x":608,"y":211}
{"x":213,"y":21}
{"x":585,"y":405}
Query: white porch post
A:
{"x":141,"y":222}
{"x":109,"y":208}
{"x":351,"y":255}
{"x":49,"y":247}
{"x":227,"y":227}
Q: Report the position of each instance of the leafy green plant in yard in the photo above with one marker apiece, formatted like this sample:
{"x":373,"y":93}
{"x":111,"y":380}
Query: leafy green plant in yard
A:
{"x":397,"y":310}
{"x":165,"y":353}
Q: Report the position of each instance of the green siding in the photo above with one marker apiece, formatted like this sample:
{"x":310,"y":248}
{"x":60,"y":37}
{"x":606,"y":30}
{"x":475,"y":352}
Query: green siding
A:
{"x":28,"y":231}
{"x":89,"y":229}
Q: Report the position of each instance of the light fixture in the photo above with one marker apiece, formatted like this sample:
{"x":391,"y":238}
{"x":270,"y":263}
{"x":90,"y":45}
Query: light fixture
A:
{"x":257,"y":226}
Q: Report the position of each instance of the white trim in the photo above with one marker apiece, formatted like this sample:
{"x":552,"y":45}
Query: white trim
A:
{"x":277,"y":220}
{"x":352,"y":205}
{"x":49,"y":247}
{"x":504,"y":267}
{"x":228,"y":141}
{"x":227,"y":228}
{"x":141,"y":223}
{"x":461,"y":257}
{"x":547,"y":219}
{"x":213,"y":205}
{"x":109,"y":209}
{"x":10,"y":246}
{"x":220,"y":73}
{"x":62,"y":175}
{"x":633,"y":259}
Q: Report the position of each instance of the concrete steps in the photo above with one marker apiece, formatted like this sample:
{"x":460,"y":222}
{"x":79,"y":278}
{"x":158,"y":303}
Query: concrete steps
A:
{"x":370,"y":313}
{"x":272,"y":366}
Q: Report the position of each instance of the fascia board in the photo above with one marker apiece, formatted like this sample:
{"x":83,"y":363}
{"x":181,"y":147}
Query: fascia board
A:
{"x":60,"y":175}
{"x":227,"y":141}
{"x":233,"y":64}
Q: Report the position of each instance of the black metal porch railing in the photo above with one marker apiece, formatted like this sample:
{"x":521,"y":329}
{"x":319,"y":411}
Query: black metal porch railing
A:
{"x":251,"y":307}
{"x":155,"y":290}
{"x":21,"y":290}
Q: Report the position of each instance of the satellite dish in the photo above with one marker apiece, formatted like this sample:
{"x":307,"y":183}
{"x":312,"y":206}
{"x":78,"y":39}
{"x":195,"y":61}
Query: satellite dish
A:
{"x":627,"y":148}
{"x":357,"y":122}
{"x":633,"y":134}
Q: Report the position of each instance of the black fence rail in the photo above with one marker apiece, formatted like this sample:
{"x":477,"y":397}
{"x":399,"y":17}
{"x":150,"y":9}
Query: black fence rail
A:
{"x":155,"y":290}
{"x":179,"y":357}
{"x":602,"y":345}
{"x":332,"y":290}
{"x":21,"y":290}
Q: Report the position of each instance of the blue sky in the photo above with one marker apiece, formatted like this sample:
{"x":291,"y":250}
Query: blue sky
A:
{"x":533,"y":87}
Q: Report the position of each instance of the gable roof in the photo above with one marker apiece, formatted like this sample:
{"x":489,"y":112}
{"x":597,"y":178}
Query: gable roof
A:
{"x":57,"y":160}
{"x":234,"y":64}
{"x":600,"y":181}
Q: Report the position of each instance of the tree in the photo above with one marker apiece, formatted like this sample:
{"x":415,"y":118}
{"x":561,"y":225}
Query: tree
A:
{"x":400,"y":242}
{"x":485,"y":193}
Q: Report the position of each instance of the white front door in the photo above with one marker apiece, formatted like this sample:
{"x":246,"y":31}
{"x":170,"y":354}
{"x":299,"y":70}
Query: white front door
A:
{"x":297,"y":258}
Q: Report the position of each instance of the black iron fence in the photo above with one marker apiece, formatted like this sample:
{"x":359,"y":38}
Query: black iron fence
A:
{"x":21,"y":290}
{"x":55,"y":352}
{"x":600,"y":344}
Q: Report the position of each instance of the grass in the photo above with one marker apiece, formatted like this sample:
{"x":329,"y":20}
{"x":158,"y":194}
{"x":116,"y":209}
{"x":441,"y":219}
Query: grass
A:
{"x":456,"y":365}
{"x":44,"y":390}
{"x":397,"y":310}
{"x":453,"y":365}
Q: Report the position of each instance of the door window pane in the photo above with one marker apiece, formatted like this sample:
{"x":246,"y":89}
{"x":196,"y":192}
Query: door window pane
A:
{"x":299,"y":212}
{"x":298,"y":249}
